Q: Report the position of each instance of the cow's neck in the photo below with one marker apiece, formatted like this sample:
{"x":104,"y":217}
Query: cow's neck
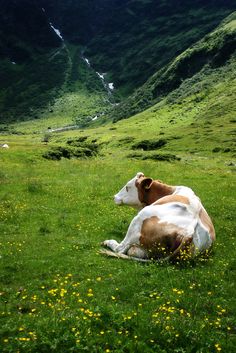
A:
{"x":157,"y":191}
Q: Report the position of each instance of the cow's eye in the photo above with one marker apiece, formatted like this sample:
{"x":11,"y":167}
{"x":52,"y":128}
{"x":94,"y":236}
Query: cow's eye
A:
{"x":127,"y":188}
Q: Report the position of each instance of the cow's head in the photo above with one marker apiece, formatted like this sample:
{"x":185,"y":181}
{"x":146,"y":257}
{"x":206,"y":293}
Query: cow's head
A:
{"x":131,"y":192}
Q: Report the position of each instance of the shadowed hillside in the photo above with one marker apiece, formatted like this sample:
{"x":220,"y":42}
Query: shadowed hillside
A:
{"x":142,"y":36}
{"x":210,"y":55}
{"x":127,"y":40}
{"x":70,"y":150}
{"x":32,"y":60}
{"x":24,"y":31}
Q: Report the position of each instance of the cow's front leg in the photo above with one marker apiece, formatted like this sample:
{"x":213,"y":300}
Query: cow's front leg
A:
{"x":132,"y":237}
{"x":120,"y":248}
{"x":112,"y":244}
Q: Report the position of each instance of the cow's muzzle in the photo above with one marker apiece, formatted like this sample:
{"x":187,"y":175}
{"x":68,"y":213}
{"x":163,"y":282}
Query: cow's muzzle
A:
{"x":117,"y":200}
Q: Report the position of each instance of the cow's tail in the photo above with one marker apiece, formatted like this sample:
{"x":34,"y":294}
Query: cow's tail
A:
{"x":122,"y":256}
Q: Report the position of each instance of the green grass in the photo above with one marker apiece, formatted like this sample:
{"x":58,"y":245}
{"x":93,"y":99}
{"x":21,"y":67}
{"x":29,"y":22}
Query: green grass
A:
{"x":58,"y":294}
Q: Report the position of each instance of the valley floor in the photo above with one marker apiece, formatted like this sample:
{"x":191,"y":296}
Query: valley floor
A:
{"x":58,"y":294}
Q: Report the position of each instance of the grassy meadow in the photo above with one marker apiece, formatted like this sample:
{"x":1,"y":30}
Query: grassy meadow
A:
{"x":58,"y":294}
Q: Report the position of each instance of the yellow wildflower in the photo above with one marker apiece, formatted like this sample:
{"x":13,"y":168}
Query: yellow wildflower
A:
{"x":217,"y":346}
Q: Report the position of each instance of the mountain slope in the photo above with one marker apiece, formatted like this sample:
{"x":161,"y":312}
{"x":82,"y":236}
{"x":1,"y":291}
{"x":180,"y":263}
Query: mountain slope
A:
{"x":142,"y":36}
{"x":203,"y":58}
{"x":24,"y":31}
{"x":131,"y":40}
{"x":128,"y":40}
{"x":80,"y":20}
{"x":32,"y":60}
{"x":37,"y":67}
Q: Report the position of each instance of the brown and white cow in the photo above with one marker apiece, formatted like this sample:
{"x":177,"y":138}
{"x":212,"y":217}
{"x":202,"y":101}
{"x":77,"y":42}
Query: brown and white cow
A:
{"x":172,"y":223}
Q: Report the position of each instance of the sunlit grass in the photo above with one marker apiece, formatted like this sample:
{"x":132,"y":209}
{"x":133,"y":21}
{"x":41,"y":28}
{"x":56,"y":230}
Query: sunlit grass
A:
{"x":59,"y":294}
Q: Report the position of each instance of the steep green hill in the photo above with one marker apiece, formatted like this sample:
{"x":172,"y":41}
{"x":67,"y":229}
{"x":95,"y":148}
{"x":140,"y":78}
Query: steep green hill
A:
{"x":131,"y":40}
{"x":32,"y":60}
{"x":203,"y":65}
{"x":128,"y":40}
{"x":24,"y":31}
{"x":80,"y":20}
{"x":142,"y":36}
{"x":38,"y":69}
{"x":58,"y":293}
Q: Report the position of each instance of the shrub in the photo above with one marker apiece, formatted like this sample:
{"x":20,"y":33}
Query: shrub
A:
{"x":83,"y":152}
{"x":216,"y":149}
{"x":135,"y":155}
{"x":227,"y":150}
{"x":77,"y":142}
{"x":163,"y":157}
{"x":168,"y":157}
{"x":53,"y":154}
{"x":76,"y":150}
{"x":125,"y":140}
{"x":147,"y":145}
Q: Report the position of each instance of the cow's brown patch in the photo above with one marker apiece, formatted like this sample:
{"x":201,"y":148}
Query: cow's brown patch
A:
{"x":160,"y":239}
{"x":172,"y":198}
{"x":206,"y":221}
{"x":150,"y":190}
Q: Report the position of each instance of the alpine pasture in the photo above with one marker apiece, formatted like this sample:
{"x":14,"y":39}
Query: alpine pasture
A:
{"x":58,"y":294}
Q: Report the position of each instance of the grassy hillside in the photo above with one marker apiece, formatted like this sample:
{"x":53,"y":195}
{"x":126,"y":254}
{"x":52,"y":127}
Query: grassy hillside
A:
{"x":57,"y":84}
{"x":24,"y":31}
{"x":32,"y":60}
{"x":194,"y":75}
{"x":38,"y":69}
{"x":27,"y":88}
{"x":56,"y":206}
{"x":200,"y":66}
{"x":141,"y":37}
{"x":57,"y":293}
{"x":128,"y":40}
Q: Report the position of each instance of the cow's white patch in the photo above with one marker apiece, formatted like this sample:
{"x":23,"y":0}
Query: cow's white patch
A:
{"x":128,"y":195}
{"x":173,"y":213}
{"x":201,"y":238}
{"x":195,"y":203}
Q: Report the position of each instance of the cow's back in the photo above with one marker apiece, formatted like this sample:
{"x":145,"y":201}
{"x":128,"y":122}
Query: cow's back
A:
{"x":176,"y":217}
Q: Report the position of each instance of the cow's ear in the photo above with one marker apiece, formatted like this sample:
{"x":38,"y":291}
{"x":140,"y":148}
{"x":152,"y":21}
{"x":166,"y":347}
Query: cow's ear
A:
{"x":139,"y":175}
{"x":146,"y":183}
